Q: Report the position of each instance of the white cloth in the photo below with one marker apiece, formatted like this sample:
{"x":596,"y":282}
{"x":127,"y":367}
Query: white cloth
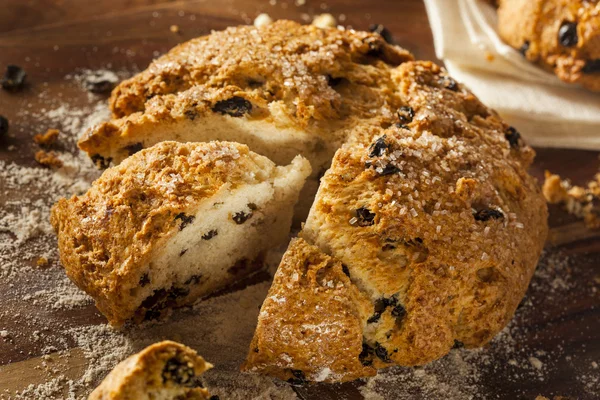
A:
{"x":547,"y":111}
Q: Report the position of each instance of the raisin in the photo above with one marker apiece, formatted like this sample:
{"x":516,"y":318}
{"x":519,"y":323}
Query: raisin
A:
{"x":241,"y":217}
{"x":193,"y":280}
{"x":210,"y":234}
{"x":101,"y":86}
{"x":398,"y":311}
{"x":345,"y":270}
{"x":252,"y":206}
{"x":100,"y":161}
{"x":151,"y":314}
{"x":14,"y":78}
{"x":144,"y":280}
{"x":365,"y":217}
{"x":513,"y":136}
{"x":190,"y":114}
{"x":487,"y":214}
{"x":591,"y":66}
{"x":524,"y":48}
{"x":185,"y":220}
{"x":378,"y":148}
{"x":381,"y":352}
{"x":298,"y":379}
{"x":448,"y":83}
{"x":133,"y":148}
{"x":381,"y":305}
{"x":458,"y":344}
{"x":567,"y":34}
{"x":383,"y":31}
{"x":333,"y":82}
{"x":235,"y":106}
{"x":365,"y":355}
{"x":176,"y":292}
{"x":182,"y":252}
{"x":405,"y":115}
{"x":389,"y":169}
{"x":3,"y":126}
{"x":214,"y":397}
{"x":178,"y":371}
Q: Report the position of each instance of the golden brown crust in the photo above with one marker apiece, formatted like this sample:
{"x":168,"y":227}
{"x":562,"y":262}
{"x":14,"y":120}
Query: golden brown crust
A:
{"x":562,"y":36}
{"x":280,"y":61}
{"x":310,"y":325}
{"x":165,"y":366}
{"x":436,"y":219}
{"x":105,"y":234}
{"x":309,"y":78}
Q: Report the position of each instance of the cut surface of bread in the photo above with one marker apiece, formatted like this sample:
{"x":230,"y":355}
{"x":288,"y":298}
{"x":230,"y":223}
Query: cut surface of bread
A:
{"x":163,"y":371}
{"x":438,"y":227}
{"x":174,"y":223}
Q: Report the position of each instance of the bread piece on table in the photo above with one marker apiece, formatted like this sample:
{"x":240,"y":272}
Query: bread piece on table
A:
{"x":562,"y":36}
{"x":166,"y":370}
{"x":438,"y":225}
{"x":173,"y":223}
{"x":283,"y":89}
{"x":310,"y":325}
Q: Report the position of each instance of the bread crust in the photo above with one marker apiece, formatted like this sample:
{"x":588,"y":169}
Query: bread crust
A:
{"x":291,"y":76}
{"x":437,"y":222}
{"x":165,"y":365}
{"x":562,"y":36}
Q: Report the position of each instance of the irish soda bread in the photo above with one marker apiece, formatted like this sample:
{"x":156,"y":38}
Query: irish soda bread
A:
{"x":562,"y":36}
{"x":163,"y":371}
{"x":423,"y":235}
{"x":173,"y":223}
{"x":283,"y":89}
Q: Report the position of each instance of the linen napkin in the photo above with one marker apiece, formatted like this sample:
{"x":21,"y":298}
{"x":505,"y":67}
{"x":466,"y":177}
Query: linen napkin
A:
{"x":547,"y":111}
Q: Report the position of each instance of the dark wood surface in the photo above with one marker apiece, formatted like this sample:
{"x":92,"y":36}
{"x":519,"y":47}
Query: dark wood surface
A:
{"x":53,"y":38}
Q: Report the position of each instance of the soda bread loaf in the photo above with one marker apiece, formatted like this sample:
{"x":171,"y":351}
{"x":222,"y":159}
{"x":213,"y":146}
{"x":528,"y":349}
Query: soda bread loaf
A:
{"x":174,"y":223}
{"x":283,"y":89}
{"x":423,"y":235}
{"x":426,"y":229}
{"x":165,"y":370}
{"x":562,"y":36}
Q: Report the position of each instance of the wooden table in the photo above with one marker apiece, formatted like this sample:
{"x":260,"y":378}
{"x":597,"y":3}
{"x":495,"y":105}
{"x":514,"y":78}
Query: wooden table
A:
{"x":53,"y":38}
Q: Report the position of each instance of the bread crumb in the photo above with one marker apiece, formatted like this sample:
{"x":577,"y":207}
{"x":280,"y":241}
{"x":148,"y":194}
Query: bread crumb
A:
{"x":174,"y":28}
{"x":489,"y":56}
{"x":48,"y":159}
{"x":4,"y":333}
{"x":536,"y":363}
{"x":324,"y":21}
{"x":262,"y":20}
{"x":42,"y":262}
{"x":46,"y":139}
{"x":582,"y":202}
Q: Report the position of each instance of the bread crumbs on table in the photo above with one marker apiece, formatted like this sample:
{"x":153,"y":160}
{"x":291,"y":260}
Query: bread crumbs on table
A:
{"x":46,"y":139}
{"x":48,"y":159}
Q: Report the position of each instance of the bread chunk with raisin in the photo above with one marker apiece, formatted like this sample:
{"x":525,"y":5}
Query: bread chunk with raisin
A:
{"x":437,"y":226}
{"x":283,"y":89}
{"x":166,"y":370}
{"x":562,"y":36}
{"x":173,"y":223}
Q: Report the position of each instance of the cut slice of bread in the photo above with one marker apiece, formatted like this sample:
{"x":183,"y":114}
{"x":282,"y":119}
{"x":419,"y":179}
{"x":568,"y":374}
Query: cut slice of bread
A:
{"x":438,"y":226}
{"x":163,"y":371}
{"x":174,"y":223}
